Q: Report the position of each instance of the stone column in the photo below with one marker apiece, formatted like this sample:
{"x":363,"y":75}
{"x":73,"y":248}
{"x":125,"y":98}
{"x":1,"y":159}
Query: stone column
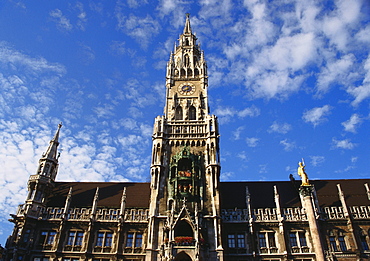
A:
{"x":306,"y":197}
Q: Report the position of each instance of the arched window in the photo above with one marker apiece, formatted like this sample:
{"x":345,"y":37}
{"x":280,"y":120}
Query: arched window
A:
{"x":182,"y":73}
{"x":196,"y":72}
{"x":178,"y":113}
{"x":173,"y":172}
{"x":46,"y":169}
{"x":186,"y":60}
{"x":192,"y":113}
{"x":190,"y":73}
{"x":183,"y":229}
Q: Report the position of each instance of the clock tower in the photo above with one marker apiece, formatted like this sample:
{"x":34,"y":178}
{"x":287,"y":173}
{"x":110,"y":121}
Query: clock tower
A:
{"x":185,"y":168}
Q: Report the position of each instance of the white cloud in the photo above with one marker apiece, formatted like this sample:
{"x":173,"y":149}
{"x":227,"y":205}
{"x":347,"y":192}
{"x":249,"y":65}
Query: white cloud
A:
{"x":12,"y":57}
{"x":362,"y":92}
{"x":175,"y":8}
{"x":317,"y":160}
{"x":282,"y":128}
{"x":242,"y":155}
{"x":338,"y":23}
{"x":250,"y":112}
{"x":342,"y":144}
{"x":118,"y":48}
{"x":288,"y":145}
{"x":141,"y":29}
{"x":63,"y":22}
{"x":293,"y":52}
{"x":136,"y":3}
{"x":349,"y":167}
{"x":237,"y":132}
{"x":363,"y":34}
{"x":226,"y":176}
{"x":81,"y":16}
{"x":86,"y":54}
{"x":335,"y":71}
{"x":225,"y":114}
{"x":352,"y":123}
{"x":272,"y":84}
{"x":263,"y":169}
{"x":316,"y":115}
{"x":252,"y":142}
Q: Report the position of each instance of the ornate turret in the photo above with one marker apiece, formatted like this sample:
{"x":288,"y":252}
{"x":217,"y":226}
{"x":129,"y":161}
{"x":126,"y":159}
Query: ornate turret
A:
{"x":41,"y":183}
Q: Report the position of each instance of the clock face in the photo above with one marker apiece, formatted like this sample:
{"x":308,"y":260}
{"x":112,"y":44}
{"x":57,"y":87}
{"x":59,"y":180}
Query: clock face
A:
{"x":186,"y":89}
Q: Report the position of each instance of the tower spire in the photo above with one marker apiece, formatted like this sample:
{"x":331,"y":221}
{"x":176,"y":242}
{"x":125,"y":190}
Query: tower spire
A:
{"x":187,"y":28}
{"x":51,"y":152}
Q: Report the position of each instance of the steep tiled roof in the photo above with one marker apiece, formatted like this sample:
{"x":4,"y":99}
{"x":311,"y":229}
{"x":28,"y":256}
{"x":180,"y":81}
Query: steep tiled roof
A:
{"x":110,"y":193}
{"x":232,"y":194}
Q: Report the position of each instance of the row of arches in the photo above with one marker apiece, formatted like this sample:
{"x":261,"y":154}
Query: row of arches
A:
{"x":46,"y":170}
{"x":191,"y":113}
{"x":189,"y":72}
{"x":186,"y":61}
{"x":191,"y":143}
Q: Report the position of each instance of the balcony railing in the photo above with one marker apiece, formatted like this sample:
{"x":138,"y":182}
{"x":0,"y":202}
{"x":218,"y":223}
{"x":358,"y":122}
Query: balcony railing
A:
{"x":102,"y":214}
{"x":263,"y":215}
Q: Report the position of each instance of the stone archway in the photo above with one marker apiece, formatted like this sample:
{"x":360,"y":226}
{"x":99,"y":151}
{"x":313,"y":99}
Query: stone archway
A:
{"x":182,"y":256}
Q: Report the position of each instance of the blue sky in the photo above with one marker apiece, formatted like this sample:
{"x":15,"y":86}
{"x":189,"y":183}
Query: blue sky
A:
{"x":287,"y":79}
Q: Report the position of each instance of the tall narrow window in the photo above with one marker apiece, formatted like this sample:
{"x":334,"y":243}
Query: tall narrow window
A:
{"x":186,"y":60}
{"x":38,"y":195}
{"x":130,"y":240}
{"x":26,"y":235}
{"x":333,"y":244}
{"x":192,"y":113}
{"x":271,"y":239}
{"x":79,"y":238}
{"x":178,"y":113}
{"x":231,"y":240}
{"x":302,"y":239}
{"x":342,"y":243}
{"x":262,"y":240}
{"x":100,"y":239}
{"x":241,"y":241}
{"x":293,"y":239}
{"x":364,"y":244}
{"x":71,"y":238}
{"x":108,"y":239}
{"x":43,"y":237}
{"x":139,"y":240}
{"x":51,"y":237}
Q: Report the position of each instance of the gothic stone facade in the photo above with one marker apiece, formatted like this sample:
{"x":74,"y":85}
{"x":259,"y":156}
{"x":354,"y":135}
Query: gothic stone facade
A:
{"x":185,"y":212}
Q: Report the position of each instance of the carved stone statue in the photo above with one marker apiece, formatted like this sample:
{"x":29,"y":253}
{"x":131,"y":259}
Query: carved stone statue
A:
{"x":302,"y":173}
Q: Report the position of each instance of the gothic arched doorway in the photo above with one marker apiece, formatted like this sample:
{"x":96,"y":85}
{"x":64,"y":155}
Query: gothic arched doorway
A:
{"x":182,"y":256}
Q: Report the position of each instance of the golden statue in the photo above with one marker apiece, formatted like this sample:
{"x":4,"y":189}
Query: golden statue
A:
{"x":302,"y":173}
